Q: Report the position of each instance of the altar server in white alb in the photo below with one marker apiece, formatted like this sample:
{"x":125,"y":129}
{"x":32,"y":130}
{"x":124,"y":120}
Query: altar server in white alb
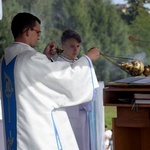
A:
{"x":79,"y":114}
{"x":35,"y":90}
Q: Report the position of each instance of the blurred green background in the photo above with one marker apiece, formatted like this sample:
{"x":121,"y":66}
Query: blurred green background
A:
{"x":110,"y":112}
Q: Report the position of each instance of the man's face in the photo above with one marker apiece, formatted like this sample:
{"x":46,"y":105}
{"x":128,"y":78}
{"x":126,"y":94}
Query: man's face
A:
{"x":71,"y":48}
{"x":34,"y":35}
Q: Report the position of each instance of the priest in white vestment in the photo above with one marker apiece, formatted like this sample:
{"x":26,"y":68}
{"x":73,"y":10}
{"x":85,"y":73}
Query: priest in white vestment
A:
{"x":41,"y":90}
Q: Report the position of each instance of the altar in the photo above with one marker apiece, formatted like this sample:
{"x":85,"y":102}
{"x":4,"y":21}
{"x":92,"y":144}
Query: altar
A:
{"x":131,"y":127}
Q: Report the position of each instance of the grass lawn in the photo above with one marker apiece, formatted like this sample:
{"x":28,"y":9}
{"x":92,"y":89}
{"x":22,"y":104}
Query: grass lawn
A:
{"x":110,"y":112}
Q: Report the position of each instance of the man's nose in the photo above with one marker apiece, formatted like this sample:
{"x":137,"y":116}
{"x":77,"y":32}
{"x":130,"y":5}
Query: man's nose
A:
{"x":75,"y":49}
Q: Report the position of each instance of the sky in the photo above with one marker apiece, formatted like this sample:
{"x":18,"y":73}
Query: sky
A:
{"x":119,"y":1}
{"x":124,"y":2}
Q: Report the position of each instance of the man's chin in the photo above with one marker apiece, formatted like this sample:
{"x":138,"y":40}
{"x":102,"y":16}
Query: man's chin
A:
{"x":75,"y":55}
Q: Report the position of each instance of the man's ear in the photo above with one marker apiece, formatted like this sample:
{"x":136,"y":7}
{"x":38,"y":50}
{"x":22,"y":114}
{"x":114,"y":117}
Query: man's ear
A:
{"x":27,"y":32}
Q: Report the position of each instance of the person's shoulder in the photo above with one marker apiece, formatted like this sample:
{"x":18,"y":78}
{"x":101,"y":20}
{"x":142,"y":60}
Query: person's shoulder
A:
{"x":108,"y":133}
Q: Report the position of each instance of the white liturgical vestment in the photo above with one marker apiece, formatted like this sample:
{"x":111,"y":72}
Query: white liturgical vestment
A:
{"x":80,"y":120}
{"x":42,"y":89}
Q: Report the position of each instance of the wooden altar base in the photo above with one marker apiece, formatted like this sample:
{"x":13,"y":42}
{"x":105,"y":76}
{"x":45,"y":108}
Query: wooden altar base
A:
{"x":131,"y":128}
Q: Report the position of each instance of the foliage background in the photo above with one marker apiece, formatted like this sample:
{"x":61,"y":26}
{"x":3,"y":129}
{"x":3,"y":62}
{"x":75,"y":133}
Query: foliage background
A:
{"x":98,"y":21}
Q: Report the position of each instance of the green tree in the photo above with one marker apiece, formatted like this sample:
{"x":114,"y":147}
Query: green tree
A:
{"x":133,"y":9}
{"x":140,"y":31}
{"x":44,"y":11}
{"x":5,"y":24}
{"x":100,"y":27}
{"x":96,"y":20}
{"x":73,"y":14}
{"x":33,"y":6}
{"x":111,"y":35}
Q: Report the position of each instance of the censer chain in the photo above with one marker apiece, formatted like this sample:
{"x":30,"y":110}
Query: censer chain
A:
{"x":108,"y":58}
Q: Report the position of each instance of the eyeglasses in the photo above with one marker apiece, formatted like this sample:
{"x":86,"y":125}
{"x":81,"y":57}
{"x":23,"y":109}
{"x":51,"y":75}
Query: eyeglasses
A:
{"x":37,"y":31}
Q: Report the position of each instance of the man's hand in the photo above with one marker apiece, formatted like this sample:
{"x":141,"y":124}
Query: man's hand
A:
{"x":50,"y":50}
{"x":93,"y":54}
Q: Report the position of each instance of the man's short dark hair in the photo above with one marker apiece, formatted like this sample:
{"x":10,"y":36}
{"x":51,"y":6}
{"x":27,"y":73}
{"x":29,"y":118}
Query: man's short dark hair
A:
{"x":22,"y":21}
{"x":68,"y":34}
